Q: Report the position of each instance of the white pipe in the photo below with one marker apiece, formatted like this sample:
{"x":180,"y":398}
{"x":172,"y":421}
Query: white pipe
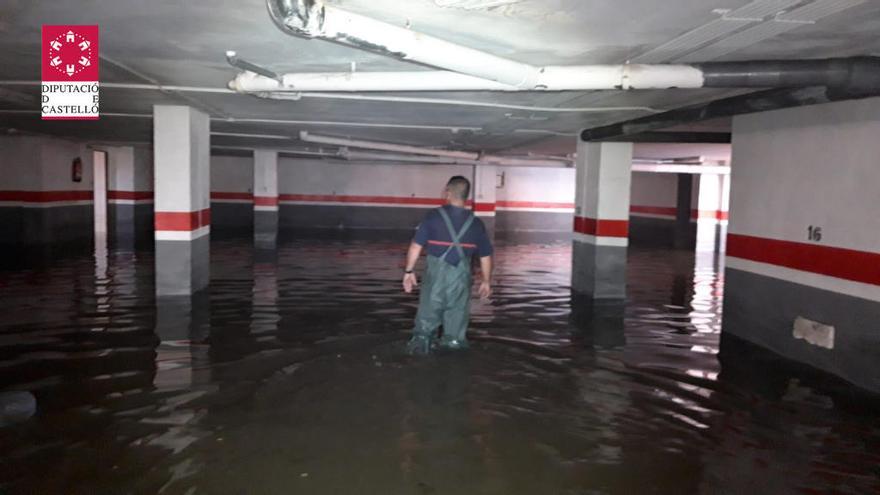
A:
{"x":494,"y":160}
{"x":315,"y":19}
{"x":375,"y":145}
{"x":550,"y":78}
{"x":464,"y":157}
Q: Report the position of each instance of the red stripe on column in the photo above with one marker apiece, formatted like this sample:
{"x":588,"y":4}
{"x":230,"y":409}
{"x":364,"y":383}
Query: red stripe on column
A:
{"x":485,"y":207}
{"x":182,"y":220}
{"x":134,"y":195}
{"x":712,"y":214}
{"x":848,"y":264}
{"x":45,"y":196}
{"x":265,"y":200}
{"x":205,"y":217}
{"x":601,"y":228}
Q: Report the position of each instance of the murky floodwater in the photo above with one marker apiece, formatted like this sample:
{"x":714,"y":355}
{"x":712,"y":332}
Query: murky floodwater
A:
{"x":288,"y":377}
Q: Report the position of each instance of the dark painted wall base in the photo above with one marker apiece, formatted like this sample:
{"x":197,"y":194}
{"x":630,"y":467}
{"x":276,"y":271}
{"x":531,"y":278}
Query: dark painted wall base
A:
{"x":130,"y":225}
{"x":658,"y":232}
{"x":349,"y":217}
{"x":598,"y":271}
{"x":56,"y":224}
{"x":232,"y":218}
{"x":762,"y":310}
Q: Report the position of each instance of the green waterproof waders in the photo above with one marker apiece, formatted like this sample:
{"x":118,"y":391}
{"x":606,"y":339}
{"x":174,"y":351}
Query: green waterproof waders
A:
{"x":445,"y":297}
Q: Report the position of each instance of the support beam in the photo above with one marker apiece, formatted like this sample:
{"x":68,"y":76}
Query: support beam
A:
{"x":182,"y":193}
{"x":265,"y":198}
{"x":601,"y":223}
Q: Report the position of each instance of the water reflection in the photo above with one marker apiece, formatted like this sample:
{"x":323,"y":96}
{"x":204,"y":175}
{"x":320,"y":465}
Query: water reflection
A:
{"x":287,"y":376}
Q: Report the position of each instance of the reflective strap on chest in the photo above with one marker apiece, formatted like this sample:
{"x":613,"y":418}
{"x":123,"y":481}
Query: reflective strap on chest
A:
{"x":456,"y":237}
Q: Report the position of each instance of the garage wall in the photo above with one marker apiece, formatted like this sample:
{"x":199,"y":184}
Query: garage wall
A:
{"x":39,"y":201}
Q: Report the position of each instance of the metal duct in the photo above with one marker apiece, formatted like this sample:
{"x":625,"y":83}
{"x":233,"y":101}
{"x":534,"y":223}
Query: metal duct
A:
{"x":842,"y":76}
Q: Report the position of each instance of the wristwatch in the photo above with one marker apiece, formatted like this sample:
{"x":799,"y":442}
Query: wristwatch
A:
{"x":407,"y":271}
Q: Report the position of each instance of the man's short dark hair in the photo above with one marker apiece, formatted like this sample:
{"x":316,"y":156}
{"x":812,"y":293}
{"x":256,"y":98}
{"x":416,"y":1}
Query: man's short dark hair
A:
{"x":459,"y":186}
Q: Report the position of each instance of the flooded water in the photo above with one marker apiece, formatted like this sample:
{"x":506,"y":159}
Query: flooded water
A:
{"x":288,"y":376}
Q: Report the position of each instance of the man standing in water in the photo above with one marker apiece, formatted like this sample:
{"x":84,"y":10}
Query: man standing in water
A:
{"x":451,"y":234}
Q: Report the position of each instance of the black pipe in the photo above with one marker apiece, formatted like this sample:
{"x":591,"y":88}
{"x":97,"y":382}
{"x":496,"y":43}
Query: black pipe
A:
{"x":676,"y":137}
{"x":842,"y":76}
{"x":761,"y":101}
{"x":801,"y":82}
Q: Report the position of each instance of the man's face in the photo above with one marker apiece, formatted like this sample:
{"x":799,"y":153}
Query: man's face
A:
{"x":446,"y":194}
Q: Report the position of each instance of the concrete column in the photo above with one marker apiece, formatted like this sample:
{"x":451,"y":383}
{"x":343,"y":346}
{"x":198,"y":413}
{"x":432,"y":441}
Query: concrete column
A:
{"x":130,"y":194}
{"x":265,"y":198}
{"x":182,"y":192}
{"x":601,"y":222}
{"x":485,"y":182}
{"x":803,"y":251}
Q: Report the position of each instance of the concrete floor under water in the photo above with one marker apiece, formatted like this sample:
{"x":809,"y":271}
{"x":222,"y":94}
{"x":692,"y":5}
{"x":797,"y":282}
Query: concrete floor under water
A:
{"x":288,"y":376}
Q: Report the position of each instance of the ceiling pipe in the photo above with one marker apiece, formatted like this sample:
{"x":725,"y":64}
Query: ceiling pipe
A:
{"x":845,"y":75}
{"x":550,"y":78}
{"x":375,"y":145}
{"x":315,"y":19}
{"x":464,"y":67}
{"x":463,"y":157}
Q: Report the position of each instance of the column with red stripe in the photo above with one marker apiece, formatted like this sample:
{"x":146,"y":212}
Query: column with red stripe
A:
{"x":485,"y":186}
{"x":182,"y":199}
{"x":265,"y":198}
{"x":601,"y":222}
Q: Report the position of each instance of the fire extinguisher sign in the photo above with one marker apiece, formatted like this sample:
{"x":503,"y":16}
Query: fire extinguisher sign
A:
{"x":70,"y":73}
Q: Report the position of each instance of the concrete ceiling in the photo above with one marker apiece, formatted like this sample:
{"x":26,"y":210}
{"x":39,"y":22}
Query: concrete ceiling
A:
{"x":183,"y":43}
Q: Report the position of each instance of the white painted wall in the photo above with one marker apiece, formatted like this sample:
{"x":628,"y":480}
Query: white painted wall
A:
{"x":654,"y":189}
{"x":323,"y":177}
{"x":129,"y":168}
{"x":537,"y":184}
{"x":232,"y":174}
{"x":56,"y":158}
{"x":344,"y":178}
{"x":35,"y":163}
{"x":817,"y":165}
{"x":20,"y":159}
